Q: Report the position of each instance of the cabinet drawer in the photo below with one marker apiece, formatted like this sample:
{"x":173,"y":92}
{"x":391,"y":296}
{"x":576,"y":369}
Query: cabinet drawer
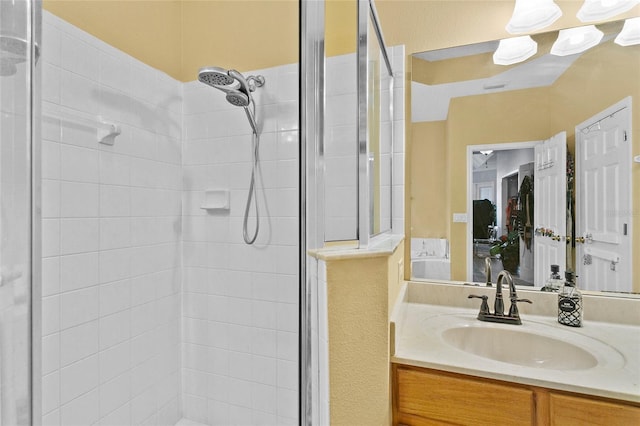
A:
{"x":569,"y":411}
{"x":464,"y":401}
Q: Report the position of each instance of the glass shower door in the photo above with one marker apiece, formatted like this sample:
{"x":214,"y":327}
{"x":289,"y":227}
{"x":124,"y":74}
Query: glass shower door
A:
{"x":17,"y":154}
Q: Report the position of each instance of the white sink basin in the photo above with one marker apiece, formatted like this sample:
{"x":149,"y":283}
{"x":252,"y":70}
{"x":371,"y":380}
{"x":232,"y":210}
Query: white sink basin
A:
{"x":520,"y":348}
{"x":533,"y":344}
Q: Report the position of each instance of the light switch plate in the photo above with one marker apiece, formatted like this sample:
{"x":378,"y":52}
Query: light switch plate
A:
{"x":460,"y":217}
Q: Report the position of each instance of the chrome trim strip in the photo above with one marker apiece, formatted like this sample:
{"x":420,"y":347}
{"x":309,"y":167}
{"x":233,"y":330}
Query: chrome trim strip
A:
{"x":363,"y":131}
{"x":36,"y":214}
{"x":392,"y":121}
{"x":378,"y":28}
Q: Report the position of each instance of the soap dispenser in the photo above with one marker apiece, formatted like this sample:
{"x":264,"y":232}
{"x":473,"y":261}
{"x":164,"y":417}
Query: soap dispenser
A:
{"x":570,"y":302}
{"x":554,"y":282}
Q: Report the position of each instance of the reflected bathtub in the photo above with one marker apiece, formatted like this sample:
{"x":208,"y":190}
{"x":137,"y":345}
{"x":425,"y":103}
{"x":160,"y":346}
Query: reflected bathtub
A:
{"x":435,"y":268}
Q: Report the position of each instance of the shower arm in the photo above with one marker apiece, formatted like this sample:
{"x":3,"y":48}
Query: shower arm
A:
{"x":255,"y":81}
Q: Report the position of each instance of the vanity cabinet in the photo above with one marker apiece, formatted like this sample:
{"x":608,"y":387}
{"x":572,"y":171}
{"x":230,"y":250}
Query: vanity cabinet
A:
{"x":432,"y":397}
{"x":565,"y":410}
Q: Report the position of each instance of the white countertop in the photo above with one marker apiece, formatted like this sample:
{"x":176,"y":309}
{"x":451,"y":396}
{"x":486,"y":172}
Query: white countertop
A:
{"x":419,"y":341}
{"x":380,"y":246}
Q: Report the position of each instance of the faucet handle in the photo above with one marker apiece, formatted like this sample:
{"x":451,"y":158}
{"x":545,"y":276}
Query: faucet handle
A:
{"x":513,"y":309}
{"x":484,"y":307}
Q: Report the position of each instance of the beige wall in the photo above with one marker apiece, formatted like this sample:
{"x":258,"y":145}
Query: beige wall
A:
{"x":147,"y":30}
{"x":516,"y":116}
{"x":360,"y":292}
{"x":340,"y":27}
{"x":180,"y":36}
{"x":429,"y":176}
{"x":244,"y":35}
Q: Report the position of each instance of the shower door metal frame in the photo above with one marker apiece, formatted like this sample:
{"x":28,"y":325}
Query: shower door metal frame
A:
{"x":367,"y":11}
{"x":36,"y":212}
{"x":27,"y":403}
{"x":311,"y":184}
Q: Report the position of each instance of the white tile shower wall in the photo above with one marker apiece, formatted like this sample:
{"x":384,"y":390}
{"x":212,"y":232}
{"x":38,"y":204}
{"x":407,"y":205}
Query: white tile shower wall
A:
{"x":398,"y":59}
{"x":111,"y":237}
{"x":240,"y":325}
{"x":340,"y":149}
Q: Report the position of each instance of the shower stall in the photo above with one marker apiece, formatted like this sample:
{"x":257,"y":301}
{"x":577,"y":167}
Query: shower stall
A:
{"x":153,"y":234}
{"x":149,"y":233}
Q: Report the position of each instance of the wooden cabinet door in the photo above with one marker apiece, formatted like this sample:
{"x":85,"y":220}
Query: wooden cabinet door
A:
{"x":568,"y":410}
{"x":425,"y":397}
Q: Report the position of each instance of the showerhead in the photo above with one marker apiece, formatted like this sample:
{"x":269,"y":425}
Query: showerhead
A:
{"x":215,"y":76}
{"x":236,"y":87}
{"x":231,"y":82}
{"x":238,"y":98}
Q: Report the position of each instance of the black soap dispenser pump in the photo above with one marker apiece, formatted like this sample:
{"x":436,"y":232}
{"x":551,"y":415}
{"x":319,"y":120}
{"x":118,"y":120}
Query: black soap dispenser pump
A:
{"x":570,"y":302}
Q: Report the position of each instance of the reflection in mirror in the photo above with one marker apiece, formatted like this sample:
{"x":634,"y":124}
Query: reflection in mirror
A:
{"x":576,"y":106}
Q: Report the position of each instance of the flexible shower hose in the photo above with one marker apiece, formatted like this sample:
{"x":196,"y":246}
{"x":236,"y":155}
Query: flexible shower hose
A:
{"x":252,"y":195}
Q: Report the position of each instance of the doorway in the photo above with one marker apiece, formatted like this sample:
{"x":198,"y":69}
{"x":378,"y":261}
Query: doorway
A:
{"x":496,"y":174}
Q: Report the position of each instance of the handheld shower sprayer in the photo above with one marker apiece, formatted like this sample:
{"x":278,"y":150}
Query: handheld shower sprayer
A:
{"x":238,"y":91}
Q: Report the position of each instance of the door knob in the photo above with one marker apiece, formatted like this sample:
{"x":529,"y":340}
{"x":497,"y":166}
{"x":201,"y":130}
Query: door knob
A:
{"x":580,"y":240}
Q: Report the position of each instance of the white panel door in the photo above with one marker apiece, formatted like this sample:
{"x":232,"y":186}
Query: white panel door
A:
{"x":550,"y":195}
{"x":603,"y":201}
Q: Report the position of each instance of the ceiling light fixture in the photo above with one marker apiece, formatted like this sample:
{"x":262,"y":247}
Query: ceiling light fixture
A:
{"x":531,"y":15}
{"x":630,"y":33}
{"x":576,"y":40}
{"x":597,"y":10}
{"x":513,"y":50}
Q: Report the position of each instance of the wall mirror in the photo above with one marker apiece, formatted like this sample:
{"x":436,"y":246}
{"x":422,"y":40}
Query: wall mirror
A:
{"x":536,"y":163}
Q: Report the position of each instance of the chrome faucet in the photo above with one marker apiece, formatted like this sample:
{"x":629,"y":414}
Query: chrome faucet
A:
{"x":498,"y":306}
{"x":487,"y":270}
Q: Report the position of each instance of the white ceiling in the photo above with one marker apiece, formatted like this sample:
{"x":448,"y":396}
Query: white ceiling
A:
{"x":431,"y":102}
{"x":458,"y":52}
